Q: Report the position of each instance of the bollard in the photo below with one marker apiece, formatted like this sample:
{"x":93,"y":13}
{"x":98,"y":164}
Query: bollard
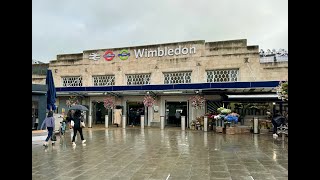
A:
{"x":256,"y":125}
{"x":183,"y":123}
{"x":142,"y":121}
{"x":161,"y":122}
{"x":255,"y":140}
{"x":124,"y":120}
{"x":90,"y":122}
{"x":205,"y":124}
{"x":106,"y":121}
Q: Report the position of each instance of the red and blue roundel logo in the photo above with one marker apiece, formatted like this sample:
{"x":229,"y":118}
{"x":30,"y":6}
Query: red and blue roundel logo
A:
{"x":108,"y":55}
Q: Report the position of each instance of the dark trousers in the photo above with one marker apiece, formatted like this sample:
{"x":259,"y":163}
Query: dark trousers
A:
{"x":35,"y":125}
{"x":178,"y":121}
{"x":75,"y":133}
{"x":275,"y":126}
{"x":50,"y":130}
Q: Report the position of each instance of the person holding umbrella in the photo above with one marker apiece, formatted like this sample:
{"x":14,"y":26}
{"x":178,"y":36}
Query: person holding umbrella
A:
{"x":77,"y":118}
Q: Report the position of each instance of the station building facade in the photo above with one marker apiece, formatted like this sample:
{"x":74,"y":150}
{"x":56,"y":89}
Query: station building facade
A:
{"x":172,"y":73}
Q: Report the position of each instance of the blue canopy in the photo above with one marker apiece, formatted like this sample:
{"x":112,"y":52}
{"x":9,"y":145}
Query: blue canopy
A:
{"x":51,"y":93}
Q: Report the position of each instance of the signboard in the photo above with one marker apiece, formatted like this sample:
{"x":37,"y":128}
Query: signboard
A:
{"x":108,"y":55}
{"x":124,"y":54}
{"x":94,"y":56}
{"x":159,"y":52}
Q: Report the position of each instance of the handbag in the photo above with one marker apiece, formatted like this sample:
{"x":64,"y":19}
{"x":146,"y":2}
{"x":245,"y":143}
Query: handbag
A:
{"x":53,"y":137}
{"x":72,"y":123}
{"x":82,"y":124}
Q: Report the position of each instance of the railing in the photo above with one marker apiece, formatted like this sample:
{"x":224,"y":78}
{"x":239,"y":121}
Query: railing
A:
{"x":270,"y":59}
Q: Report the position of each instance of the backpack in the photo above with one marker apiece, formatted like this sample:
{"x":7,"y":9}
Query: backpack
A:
{"x":53,"y":137}
{"x":279,"y":120}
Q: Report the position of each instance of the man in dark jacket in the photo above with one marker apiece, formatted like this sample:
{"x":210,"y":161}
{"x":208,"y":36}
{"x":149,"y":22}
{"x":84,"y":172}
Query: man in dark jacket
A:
{"x":277,"y":120}
{"x":98,"y":116}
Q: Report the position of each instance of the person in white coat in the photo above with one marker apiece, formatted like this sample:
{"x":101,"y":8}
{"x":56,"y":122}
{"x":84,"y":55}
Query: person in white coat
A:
{"x":117,"y":117}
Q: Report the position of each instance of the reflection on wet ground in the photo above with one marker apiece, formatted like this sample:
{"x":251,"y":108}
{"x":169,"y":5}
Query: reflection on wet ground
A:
{"x":155,"y":154}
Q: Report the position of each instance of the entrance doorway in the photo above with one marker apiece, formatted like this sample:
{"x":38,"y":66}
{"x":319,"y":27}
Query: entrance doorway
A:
{"x":174,"y":111}
{"x":135,"y":110}
{"x":35,"y":117}
{"x":99,"y":112}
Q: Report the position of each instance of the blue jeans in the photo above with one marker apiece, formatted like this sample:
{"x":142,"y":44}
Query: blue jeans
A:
{"x":50,"y":130}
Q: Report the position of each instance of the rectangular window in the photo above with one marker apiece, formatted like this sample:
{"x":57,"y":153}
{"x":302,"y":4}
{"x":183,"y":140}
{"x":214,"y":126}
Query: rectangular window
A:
{"x":223,"y":75}
{"x":177,"y":77}
{"x":138,"y":79}
{"x":103,"y":80}
{"x":73,"y":81}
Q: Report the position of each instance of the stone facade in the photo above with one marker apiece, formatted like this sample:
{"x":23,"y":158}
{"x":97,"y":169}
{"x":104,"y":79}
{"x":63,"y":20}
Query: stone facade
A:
{"x":208,"y":56}
{"x":196,"y":57}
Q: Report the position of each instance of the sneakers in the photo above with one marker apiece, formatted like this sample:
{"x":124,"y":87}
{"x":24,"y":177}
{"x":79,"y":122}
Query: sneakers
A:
{"x":45,"y":144}
{"x":83,"y":141}
{"x":275,"y":136}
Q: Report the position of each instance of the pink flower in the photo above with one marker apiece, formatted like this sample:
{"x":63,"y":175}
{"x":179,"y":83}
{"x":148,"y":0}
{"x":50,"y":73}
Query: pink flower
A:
{"x":108,"y":103}
{"x":148,"y":101}
{"x":197,"y":101}
{"x":72,"y":101}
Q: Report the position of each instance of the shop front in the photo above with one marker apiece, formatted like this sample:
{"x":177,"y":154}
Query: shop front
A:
{"x":39,"y":104}
{"x":170,"y":101}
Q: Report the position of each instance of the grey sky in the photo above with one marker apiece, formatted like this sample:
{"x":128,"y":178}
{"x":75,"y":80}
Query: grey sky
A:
{"x":71,"y":26}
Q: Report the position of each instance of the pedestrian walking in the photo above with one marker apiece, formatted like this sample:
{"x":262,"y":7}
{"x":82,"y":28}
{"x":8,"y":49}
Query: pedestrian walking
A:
{"x":49,"y":122}
{"x":77,"y":119}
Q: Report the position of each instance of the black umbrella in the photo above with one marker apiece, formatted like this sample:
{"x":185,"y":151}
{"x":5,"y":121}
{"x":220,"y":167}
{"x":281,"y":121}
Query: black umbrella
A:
{"x":51,"y":93}
{"x":78,"y":107}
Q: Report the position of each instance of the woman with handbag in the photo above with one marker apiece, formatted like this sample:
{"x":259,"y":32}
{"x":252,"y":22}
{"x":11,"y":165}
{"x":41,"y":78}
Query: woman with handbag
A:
{"x":49,"y":122}
{"x":77,"y":124}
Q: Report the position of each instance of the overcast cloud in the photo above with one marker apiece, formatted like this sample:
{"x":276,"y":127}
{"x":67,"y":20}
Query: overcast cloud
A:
{"x":71,"y":26}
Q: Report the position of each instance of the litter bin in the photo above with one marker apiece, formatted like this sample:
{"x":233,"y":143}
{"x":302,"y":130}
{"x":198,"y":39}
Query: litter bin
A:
{"x":256,"y":125}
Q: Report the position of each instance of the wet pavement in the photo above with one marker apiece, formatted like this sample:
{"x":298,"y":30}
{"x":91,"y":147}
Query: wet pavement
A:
{"x":155,"y":154}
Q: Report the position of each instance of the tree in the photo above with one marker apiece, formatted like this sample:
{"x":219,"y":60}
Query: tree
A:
{"x":282,"y":90}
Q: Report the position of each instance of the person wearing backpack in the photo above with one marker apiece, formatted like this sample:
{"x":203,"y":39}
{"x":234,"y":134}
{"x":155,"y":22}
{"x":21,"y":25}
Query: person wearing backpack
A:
{"x":277,"y":120}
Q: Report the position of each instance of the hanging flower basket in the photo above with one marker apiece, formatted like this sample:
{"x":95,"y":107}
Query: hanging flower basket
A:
{"x":108,"y":103}
{"x":73,"y":100}
{"x":282,"y":90}
{"x":197,"y":101}
{"x":148,"y":101}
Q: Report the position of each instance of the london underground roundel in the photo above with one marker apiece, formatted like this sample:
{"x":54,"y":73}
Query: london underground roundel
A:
{"x":108,"y":55}
{"x":124,"y":54}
